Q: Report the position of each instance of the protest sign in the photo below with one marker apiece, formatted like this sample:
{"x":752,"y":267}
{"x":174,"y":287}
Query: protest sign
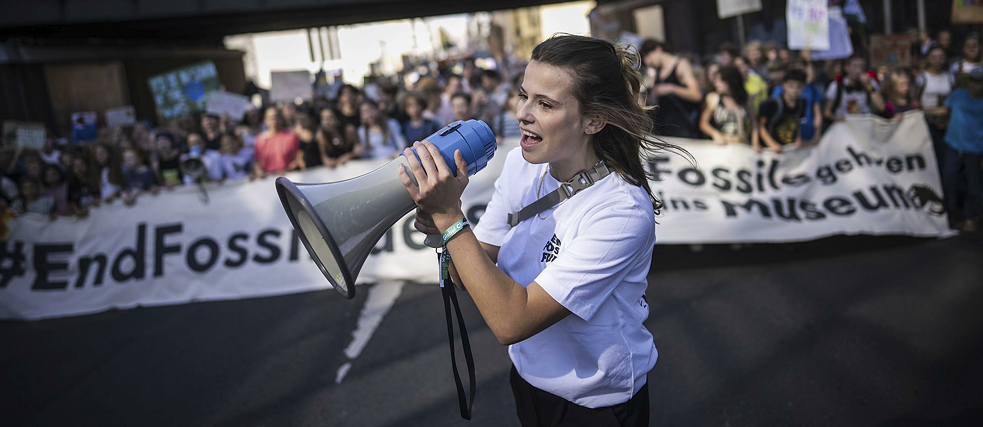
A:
{"x":808,"y":24}
{"x":730,"y":8}
{"x":185,"y":90}
{"x":967,"y":11}
{"x":234,"y":105}
{"x":290,"y":85}
{"x":84,"y":126}
{"x":122,"y":116}
{"x":840,"y":45}
{"x":892,"y":50}
{"x":24,"y":134}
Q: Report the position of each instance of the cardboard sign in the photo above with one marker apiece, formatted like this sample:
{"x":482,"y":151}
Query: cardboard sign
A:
{"x":84,"y":126}
{"x":184,"y":91}
{"x":730,"y":8}
{"x":808,"y":24}
{"x":890,"y":50}
{"x":24,"y":134}
{"x":967,"y":11}
{"x":840,"y":45}
{"x":290,"y":85}
{"x":236,"y":106}
{"x":122,"y":116}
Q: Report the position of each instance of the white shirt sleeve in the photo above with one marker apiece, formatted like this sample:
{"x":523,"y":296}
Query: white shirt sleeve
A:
{"x":598,"y":259}
{"x":397,"y":134}
{"x":831,"y":92}
{"x":493,"y":224}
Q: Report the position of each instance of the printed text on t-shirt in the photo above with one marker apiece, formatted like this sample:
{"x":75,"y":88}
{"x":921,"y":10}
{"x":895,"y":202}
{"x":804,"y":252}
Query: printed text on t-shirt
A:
{"x":551,"y":250}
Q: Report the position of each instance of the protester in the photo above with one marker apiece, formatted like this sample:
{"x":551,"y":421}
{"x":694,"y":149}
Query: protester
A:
{"x":445,"y":111}
{"x":507,"y":124}
{"x":31,"y":200}
{"x":83,"y":186}
{"x":348,"y":106}
{"x":853,"y":94}
{"x":309,"y":148}
{"x":379,"y":136}
{"x":211,"y":132}
{"x":251,"y":127}
{"x":780,"y":118}
{"x":138,"y":177}
{"x":417,"y":127}
{"x":897,"y":94}
{"x":110,"y":175}
{"x":944,"y":40}
{"x":338,"y":144}
{"x":491,"y":82}
{"x":166,"y":160}
{"x":56,"y":187}
{"x":812,"y":93}
{"x":277,"y":149}
{"x":197,"y":150}
{"x":727,"y":117}
{"x":757,"y":59}
{"x":755,"y":86}
{"x":49,"y":154}
{"x":675,"y":91}
{"x":234,"y":161}
{"x":483,"y":108}
{"x":970,"y":59}
{"x":933,"y":86}
{"x":964,"y":154}
{"x":461,"y":103}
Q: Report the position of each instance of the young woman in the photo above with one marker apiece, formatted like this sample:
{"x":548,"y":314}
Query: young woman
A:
{"x":933,"y":86}
{"x":674,"y":90}
{"x":380,"y":136}
{"x":565,"y":288}
{"x":338,"y":142}
{"x":110,"y":174}
{"x":277,"y":149}
{"x":727,"y":116}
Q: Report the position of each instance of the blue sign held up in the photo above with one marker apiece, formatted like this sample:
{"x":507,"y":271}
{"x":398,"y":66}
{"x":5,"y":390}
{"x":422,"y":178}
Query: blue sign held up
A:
{"x":195,"y":90}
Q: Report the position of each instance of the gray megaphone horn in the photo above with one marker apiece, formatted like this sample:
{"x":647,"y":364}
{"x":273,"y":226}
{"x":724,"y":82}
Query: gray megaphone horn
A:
{"x":192,"y":165}
{"x":340,"y":222}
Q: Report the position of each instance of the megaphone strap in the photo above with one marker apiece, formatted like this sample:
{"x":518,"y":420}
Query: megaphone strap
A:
{"x":566,"y":190}
{"x":450,"y":297}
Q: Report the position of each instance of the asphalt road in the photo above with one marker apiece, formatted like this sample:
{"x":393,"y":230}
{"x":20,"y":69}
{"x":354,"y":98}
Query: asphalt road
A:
{"x":846,"y":331}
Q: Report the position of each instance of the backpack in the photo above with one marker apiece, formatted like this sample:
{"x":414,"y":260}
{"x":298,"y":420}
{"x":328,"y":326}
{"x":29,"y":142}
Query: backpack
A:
{"x":840,"y":89}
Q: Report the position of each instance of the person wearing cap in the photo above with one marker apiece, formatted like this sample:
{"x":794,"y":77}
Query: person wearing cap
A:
{"x":964,"y":153}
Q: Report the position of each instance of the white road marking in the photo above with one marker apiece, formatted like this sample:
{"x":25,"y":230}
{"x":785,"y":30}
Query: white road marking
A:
{"x":381,"y":298}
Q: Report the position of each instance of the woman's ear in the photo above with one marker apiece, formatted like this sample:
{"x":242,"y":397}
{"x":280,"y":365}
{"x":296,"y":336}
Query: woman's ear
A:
{"x":595,"y":123}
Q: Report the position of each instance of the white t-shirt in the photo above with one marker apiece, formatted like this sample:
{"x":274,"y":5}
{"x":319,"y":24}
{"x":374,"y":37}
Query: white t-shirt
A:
{"x":382,"y":147}
{"x":933,"y":86}
{"x":592,"y":254}
{"x":854,"y":100}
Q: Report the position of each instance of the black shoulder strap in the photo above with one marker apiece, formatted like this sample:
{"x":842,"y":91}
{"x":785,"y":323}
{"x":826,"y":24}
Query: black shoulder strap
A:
{"x":450,"y":298}
{"x":566,"y":190}
{"x":839,"y":96}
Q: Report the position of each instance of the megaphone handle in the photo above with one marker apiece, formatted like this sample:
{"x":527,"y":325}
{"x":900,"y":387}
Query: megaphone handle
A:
{"x":434,"y":241}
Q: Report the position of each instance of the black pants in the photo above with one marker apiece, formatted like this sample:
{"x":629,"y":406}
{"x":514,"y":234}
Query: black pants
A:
{"x":537,"y":408}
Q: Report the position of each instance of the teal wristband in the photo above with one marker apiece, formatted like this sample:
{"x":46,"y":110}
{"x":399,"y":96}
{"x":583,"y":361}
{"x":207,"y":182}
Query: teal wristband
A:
{"x":454,"y":229}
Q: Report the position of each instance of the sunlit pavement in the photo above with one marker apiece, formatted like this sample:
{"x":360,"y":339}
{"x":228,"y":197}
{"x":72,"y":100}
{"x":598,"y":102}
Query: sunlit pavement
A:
{"x":856,"y":331}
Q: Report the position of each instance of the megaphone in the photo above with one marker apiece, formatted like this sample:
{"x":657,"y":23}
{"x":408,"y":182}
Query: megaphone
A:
{"x":340,"y":222}
{"x":192,"y":166}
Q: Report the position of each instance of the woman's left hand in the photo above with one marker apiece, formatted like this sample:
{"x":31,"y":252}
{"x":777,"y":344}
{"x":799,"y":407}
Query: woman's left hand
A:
{"x":437,"y":191}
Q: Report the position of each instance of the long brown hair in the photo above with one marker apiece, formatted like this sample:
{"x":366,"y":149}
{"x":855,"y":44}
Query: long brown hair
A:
{"x":607,"y":83}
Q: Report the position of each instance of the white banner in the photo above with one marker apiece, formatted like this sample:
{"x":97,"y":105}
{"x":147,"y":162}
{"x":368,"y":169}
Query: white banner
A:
{"x":866,"y":176}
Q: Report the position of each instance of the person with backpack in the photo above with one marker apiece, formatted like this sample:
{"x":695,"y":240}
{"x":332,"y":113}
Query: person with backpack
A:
{"x":853,"y":94}
{"x":779,"y":118}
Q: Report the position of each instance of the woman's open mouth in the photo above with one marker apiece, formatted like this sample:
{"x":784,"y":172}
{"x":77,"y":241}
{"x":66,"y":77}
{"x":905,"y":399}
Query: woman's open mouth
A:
{"x":529,"y":139}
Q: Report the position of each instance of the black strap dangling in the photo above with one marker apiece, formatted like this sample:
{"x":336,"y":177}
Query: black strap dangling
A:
{"x":450,"y":297}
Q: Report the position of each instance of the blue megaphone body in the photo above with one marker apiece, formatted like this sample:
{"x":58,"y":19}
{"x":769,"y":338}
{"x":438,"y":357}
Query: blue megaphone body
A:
{"x":340,"y":222}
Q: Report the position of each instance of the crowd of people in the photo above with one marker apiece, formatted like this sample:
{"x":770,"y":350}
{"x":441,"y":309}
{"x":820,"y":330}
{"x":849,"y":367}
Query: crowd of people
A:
{"x":765,"y":96}
{"x":771,"y":98}
{"x":128,"y":162}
